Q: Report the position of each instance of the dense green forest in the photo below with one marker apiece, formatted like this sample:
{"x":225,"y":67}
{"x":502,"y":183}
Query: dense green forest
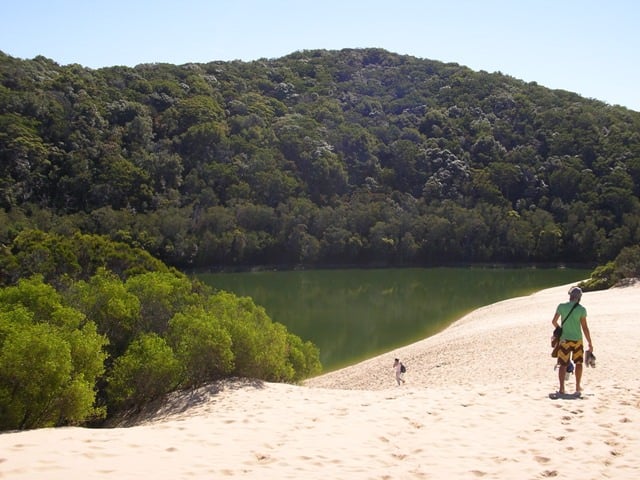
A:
{"x":351,"y":157}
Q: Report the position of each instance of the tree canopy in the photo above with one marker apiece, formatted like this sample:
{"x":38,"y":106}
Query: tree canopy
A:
{"x":319,"y":157}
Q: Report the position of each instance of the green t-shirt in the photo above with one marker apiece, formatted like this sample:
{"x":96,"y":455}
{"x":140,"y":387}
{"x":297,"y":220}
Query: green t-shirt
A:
{"x":571,"y":330}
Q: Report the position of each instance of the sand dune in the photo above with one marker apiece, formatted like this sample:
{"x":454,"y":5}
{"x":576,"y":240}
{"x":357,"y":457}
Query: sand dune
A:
{"x":475,"y":405}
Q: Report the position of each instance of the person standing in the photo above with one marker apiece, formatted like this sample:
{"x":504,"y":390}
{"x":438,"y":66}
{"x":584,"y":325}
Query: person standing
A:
{"x":397,"y":366}
{"x":573,"y":317}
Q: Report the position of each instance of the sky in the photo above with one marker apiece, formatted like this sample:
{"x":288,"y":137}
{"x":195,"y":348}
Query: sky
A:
{"x":584,"y":46}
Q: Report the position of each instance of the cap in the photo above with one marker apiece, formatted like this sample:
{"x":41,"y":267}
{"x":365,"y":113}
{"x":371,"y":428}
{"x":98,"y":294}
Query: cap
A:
{"x":575,"y":293}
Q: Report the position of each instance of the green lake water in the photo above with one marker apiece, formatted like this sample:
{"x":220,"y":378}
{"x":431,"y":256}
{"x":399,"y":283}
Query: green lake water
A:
{"x":355,"y":314}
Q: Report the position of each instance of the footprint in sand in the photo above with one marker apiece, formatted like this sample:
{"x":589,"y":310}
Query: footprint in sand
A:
{"x":263,"y":458}
{"x":413,"y":423}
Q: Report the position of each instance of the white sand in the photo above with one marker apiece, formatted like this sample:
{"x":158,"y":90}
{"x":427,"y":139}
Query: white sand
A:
{"x":475,"y":405}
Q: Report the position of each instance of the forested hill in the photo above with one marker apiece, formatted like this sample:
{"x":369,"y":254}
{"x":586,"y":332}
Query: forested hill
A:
{"x":317,"y":158}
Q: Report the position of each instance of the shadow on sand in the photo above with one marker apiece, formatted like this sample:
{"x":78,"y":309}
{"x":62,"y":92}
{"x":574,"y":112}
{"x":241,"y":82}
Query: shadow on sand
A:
{"x":178,"y":402}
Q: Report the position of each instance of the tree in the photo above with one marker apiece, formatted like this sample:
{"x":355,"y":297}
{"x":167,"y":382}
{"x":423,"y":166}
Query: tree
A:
{"x":304,"y":357}
{"x":260,"y":346}
{"x":28,"y":395}
{"x":23,"y":161}
{"x":139,"y":155}
{"x":50,"y":359}
{"x":202,"y":345}
{"x":116,"y":312}
{"x":147,"y":370}
{"x":51,"y":256}
{"x":627,"y":263}
{"x":160,"y":296}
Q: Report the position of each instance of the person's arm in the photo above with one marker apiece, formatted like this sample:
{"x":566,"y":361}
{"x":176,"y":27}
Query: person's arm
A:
{"x":587,"y":334}
{"x":555,"y":320}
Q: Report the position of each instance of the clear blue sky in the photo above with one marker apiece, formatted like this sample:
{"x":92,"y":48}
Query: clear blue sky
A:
{"x":584,"y":46}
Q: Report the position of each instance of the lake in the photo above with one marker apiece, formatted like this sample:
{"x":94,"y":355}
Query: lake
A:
{"x":354,"y":314}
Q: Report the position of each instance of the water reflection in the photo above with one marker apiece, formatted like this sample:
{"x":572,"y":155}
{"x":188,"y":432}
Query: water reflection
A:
{"x":355,"y":314}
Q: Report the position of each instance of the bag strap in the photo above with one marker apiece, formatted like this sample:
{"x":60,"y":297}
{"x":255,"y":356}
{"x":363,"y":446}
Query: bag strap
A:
{"x":569,"y":314}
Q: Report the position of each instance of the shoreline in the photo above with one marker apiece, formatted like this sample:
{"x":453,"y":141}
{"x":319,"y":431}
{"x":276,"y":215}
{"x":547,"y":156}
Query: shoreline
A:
{"x":475,"y":405}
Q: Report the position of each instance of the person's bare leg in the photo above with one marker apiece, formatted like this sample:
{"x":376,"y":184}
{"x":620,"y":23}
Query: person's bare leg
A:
{"x":562,"y":373}
{"x":578,"y":377}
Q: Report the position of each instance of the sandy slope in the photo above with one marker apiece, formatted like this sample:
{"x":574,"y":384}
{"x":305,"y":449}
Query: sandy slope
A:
{"x":475,"y":405}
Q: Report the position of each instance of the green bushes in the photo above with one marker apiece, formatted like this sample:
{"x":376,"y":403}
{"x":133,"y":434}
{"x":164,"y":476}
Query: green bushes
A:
{"x":264,"y":349}
{"x":304,"y":357}
{"x":625,"y":266}
{"x":50,"y":359}
{"x":96,"y":346}
{"x":202,"y":345}
{"x":627,"y":263}
{"x":147,"y":370}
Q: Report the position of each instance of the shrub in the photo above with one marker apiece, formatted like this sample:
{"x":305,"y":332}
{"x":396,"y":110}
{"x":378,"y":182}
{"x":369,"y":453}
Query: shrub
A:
{"x":627,"y":263}
{"x":601,"y":278}
{"x":105,"y":300}
{"x":161,"y":295}
{"x":147,"y":370}
{"x":202,"y":346}
{"x":304,"y":357}
{"x":262,"y":348}
{"x":47,"y":374}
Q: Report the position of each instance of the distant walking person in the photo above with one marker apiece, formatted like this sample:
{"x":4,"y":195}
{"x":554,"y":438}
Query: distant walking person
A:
{"x":399,"y":369}
{"x":573,"y":318}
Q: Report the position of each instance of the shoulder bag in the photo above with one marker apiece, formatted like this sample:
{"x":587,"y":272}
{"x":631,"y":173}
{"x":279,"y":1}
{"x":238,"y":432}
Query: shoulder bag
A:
{"x":555,"y":339}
